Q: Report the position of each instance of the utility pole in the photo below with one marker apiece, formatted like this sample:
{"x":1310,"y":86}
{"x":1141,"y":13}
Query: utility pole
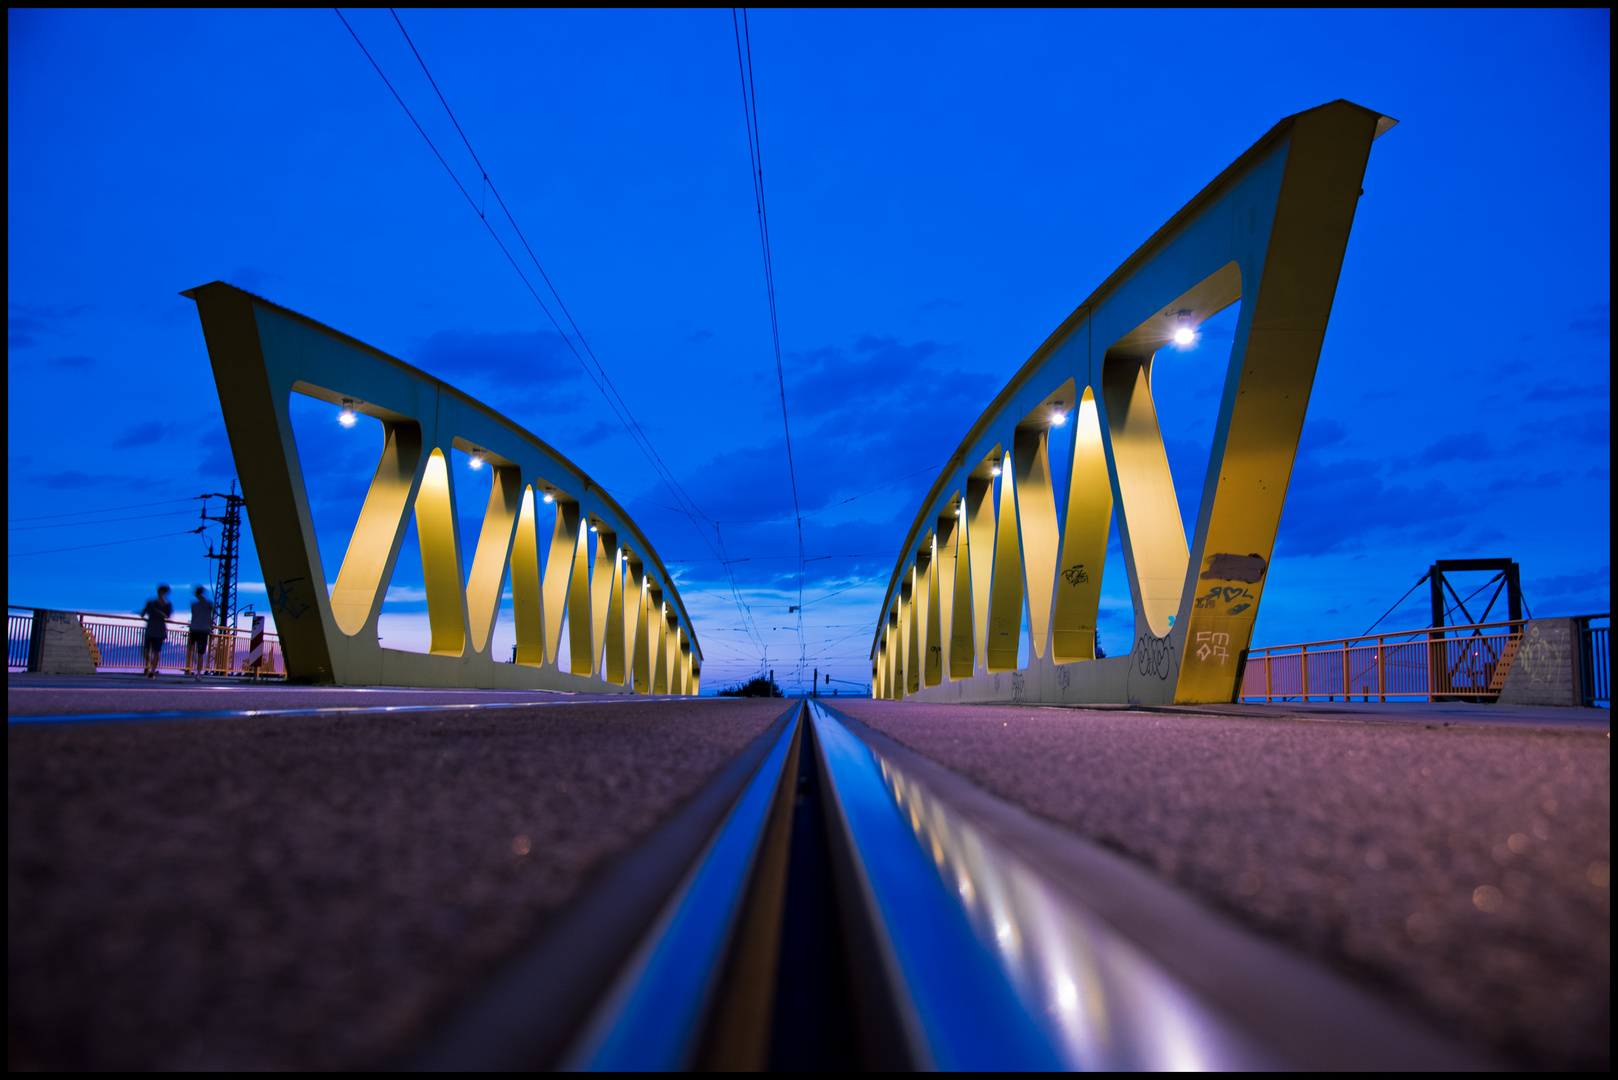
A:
{"x":815,"y":685}
{"x":224,"y":593}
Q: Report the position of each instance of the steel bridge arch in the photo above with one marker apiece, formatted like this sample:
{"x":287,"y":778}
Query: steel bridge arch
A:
{"x":998,"y":536}
{"x":623,"y":612}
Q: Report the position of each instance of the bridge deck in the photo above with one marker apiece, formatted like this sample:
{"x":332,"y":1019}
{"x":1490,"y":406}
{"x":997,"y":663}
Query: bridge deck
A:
{"x":300,"y":889}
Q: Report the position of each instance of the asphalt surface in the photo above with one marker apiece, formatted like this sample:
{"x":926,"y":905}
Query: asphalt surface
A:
{"x":1454,"y":862}
{"x":310,"y":892}
{"x":43,"y":695}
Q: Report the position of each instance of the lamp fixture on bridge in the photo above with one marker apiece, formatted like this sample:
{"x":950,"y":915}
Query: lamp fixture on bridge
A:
{"x":995,"y":471}
{"x":477,"y":461}
{"x":1184,"y":336}
{"x":549,"y":497}
{"x":1058,"y":418}
{"x":347,"y":417}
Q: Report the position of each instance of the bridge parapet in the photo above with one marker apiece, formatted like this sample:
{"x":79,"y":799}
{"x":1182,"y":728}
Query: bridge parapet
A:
{"x":628,"y":630}
{"x":999,"y":537}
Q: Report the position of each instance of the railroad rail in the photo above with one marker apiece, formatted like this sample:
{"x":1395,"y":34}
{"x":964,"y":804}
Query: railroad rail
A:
{"x":946,"y":929}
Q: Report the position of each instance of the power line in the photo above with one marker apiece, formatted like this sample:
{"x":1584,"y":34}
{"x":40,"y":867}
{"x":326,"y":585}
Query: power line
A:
{"x":99,"y":521}
{"x":835,"y":505}
{"x":620,"y":408}
{"x":110,"y":509}
{"x":108,"y":543}
{"x":775,"y":558}
{"x":627,"y":415}
{"x":755,"y":153}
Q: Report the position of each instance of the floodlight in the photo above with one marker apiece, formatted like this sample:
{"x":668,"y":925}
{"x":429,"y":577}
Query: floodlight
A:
{"x":477,"y":462}
{"x":347,"y":417}
{"x":1184,"y":336}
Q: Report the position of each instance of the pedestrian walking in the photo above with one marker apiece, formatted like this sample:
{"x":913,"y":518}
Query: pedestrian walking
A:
{"x":156,"y":613}
{"x":196,"y":642}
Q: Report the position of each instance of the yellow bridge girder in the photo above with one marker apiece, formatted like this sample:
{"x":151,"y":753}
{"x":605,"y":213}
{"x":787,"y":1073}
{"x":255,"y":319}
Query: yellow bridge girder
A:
{"x":628,"y":631}
{"x":998,"y":539}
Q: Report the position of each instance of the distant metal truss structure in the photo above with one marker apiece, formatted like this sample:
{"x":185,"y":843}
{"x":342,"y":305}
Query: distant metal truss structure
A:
{"x":998,"y":537}
{"x":628,"y":631}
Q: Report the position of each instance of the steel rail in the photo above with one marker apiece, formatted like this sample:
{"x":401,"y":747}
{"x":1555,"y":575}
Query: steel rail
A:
{"x":530,"y":1015}
{"x":653,"y":1018}
{"x":1112,"y":969}
{"x":958,"y":1008}
{"x":976,"y":937}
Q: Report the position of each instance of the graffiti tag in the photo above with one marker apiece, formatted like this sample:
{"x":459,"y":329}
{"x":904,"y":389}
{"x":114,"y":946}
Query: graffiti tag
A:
{"x":1075,"y":574}
{"x":282,"y":602}
{"x":1154,"y":656}
{"x":1210,"y":644}
{"x":1224,"y":594}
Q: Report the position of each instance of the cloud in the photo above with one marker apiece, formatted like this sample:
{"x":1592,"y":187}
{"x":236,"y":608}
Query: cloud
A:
{"x":518,"y":360}
{"x":1467,"y":446}
{"x":1317,"y":519}
{"x":25,"y":322}
{"x":1593,"y":322}
{"x":872,"y":422}
{"x":1592,"y":427}
{"x":1321,"y":432}
{"x":405,"y":594}
{"x":153,"y":431}
{"x":700,"y":336}
{"x":1557,"y":390}
{"x":75,"y":362}
{"x":251,"y":278}
{"x":216,"y":459}
{"x":942,"y":303}
{"x":600,"y":431}
{"x":1588,"y":582}
{"x":71,"y":478}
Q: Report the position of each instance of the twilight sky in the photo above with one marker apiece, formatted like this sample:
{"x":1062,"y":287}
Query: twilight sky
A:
{"x":944,"y":188}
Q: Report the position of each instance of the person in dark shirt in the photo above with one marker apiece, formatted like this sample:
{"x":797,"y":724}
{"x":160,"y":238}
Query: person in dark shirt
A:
{"x":196,"y":642}
{"x":156,"y":613}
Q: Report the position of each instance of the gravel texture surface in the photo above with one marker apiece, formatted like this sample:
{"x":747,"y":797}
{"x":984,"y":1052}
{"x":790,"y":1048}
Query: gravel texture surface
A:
{"x":1464,"y":870}
{"x":313,"y":892}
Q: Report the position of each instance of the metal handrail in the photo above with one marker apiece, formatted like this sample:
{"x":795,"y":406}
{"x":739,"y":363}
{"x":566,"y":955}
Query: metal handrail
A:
{"x":1387,"y":634}
{"x":1435,"y":663}
{"x":118,"y":644}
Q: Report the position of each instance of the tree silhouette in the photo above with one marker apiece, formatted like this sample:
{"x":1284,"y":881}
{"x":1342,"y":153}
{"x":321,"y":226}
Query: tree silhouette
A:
{"x":756,"y":687}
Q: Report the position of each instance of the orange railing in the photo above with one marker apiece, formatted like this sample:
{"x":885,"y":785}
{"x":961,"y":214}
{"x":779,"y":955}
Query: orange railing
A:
{"x":119,"y":640}
{"x":1447,"y":663}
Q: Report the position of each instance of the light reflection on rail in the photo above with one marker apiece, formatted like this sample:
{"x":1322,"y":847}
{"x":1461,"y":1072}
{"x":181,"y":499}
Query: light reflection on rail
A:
{"x":1101,"y":1002}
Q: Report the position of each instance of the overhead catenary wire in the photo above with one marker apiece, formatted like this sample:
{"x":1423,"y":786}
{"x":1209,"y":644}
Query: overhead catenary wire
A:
{"x":598,"y":376}
{"x":621,"y":409}
{"x":110,"y":509}
{"x":105,"y":543}
{"x":744,"y":67}
{"x":98,"y":521}
{"x":777,"y":558}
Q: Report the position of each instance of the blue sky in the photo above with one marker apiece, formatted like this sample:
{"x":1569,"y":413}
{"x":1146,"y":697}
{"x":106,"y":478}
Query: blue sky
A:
{"x":944,"y":188}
